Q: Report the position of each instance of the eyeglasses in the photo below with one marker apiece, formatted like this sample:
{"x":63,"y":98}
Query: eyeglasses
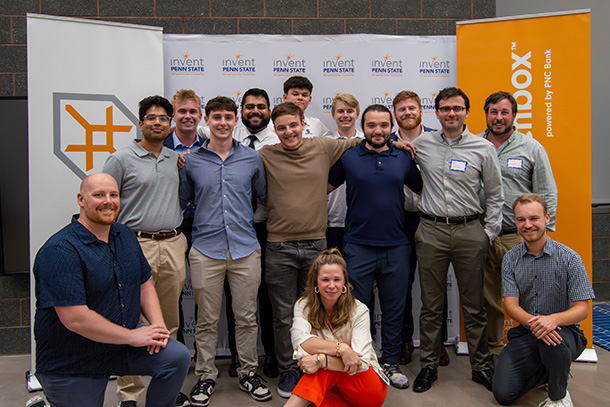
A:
{"x":153,"y":118}
{"x":447,"y":109}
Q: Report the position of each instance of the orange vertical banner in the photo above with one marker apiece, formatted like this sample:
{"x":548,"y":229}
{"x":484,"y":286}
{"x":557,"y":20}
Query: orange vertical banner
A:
{"x":544,"y":60}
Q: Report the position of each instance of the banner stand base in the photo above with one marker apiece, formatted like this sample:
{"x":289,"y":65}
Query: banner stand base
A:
{"x":587,"y":355}
{"x":32,"y":382}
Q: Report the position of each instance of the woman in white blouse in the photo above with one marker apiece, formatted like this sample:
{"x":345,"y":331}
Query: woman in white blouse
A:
{"x":332,"y":340}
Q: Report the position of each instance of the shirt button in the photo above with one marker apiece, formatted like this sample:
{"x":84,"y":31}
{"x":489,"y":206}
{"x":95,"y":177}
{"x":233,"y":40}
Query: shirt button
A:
{"x":224,"y":196}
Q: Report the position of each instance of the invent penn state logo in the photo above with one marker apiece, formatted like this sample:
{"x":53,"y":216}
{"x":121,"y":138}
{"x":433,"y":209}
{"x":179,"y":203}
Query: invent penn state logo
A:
{"x":87,"y":128}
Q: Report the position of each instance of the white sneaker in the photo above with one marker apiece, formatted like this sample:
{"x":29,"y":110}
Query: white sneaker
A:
{"x":564,"y":402}
{"x":397,"y":378}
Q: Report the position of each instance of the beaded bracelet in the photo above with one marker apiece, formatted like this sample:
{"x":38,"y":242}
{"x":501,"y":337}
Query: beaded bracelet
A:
{"x":338,"y":352}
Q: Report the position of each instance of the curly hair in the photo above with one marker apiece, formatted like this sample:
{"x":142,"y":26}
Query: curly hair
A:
{"x":314,"y":310}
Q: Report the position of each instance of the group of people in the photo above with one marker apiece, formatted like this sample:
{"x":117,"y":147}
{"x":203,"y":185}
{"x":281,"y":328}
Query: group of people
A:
{"x":254,"y":209}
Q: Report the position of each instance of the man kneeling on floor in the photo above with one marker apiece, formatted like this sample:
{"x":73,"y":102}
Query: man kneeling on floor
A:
{"x":547,"y":290}
{"x":92,"y":282}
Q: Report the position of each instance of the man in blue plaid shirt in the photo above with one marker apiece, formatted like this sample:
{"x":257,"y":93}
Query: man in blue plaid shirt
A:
{"x":547,"y":290}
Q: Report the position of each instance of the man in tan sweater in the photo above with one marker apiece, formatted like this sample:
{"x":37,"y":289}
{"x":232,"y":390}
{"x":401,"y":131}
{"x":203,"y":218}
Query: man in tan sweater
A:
{"x":297,"y":179}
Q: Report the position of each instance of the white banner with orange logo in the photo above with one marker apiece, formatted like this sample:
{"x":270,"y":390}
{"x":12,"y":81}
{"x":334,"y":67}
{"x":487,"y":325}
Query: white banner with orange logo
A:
{"x":85,"y":78}
{"x":373,"y":68}
{"x":544,"y":60}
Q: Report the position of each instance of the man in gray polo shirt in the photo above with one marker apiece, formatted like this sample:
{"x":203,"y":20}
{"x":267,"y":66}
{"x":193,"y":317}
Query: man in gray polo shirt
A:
{"x":525,"y":168}
{"x":147,"y":177}
{"x":456,"y":166}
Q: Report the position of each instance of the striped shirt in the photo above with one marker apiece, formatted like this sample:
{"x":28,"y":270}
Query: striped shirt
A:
{"x":546,"y":283}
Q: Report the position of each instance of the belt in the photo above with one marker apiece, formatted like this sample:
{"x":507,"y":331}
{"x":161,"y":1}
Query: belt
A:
{"x":412,"y":214}
{"x":162,"y":235}
{"x":507,"y":231}
{"x":456,"y":220}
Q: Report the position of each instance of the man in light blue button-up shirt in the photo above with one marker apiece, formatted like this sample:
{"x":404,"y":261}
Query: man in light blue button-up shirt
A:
{"x":221,"y":177}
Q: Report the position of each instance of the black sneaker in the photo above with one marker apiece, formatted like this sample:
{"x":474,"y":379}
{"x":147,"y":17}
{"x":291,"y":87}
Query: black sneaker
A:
{"x":202,"y":393}
{"x":288,"y":381}
{"x":182,"y":400}
{"x":252,"y":384}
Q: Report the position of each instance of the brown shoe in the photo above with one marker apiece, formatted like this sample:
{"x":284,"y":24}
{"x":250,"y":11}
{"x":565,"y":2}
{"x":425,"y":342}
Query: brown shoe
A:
{"x":444,"y":359}
{"x":406,"y":349}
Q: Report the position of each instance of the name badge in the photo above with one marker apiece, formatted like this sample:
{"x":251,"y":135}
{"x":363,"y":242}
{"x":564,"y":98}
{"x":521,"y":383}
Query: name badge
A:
{"x":514,"y":163}
{"x":458,"y":165}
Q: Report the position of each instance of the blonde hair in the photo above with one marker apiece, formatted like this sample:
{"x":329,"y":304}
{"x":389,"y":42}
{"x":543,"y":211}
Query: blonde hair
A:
{"x":348,"y":99}
{"x":314,"y":310}
{"x":186,"y":94}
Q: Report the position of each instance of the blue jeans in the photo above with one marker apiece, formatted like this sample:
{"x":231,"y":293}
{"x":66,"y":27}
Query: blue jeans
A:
{"x":287,"y":265}
{"x":389,"y":266}
{"x":168,"y":368}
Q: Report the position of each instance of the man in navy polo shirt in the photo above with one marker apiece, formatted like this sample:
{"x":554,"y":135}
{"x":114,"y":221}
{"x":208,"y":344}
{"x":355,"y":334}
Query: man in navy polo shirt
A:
{"x":376,"y":245}
{"x":92,"y":282}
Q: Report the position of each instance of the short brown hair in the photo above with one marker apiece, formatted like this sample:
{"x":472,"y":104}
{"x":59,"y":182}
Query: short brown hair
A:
{"x":499,"y":96}
{"x":404,"y":95}
{"x":527,"y":198}
{"x":286,"y":108}
{"x":220,"y":103}
{"x":348,"y":99}
{"x":186,"y":94}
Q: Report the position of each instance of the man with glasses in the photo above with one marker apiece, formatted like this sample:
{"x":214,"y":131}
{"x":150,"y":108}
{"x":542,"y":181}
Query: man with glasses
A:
{"x":147,"y":176}
{"x":456,"y":167}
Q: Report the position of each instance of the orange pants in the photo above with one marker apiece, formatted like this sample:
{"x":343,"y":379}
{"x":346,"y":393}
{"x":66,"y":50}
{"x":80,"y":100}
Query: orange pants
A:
{"x":327,"y":388}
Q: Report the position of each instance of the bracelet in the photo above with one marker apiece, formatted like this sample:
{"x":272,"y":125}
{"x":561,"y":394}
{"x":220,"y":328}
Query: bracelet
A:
{"x":326,"y":357}
{"x":318,"y":362}
{"x":338,"y":352}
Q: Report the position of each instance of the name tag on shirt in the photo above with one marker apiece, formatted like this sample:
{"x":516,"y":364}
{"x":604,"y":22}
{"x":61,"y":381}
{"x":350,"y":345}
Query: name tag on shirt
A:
{"x":514,"y":163}
{"x":458,"y":165}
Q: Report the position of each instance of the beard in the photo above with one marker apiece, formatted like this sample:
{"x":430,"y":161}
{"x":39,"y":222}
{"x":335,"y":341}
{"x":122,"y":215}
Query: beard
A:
{"x":409,"y":125}
{"x":252,"y":126}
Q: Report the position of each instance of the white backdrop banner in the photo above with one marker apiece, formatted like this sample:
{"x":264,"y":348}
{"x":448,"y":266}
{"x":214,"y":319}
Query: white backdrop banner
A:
{"x":85,"y":79}
{"x":371,"y":67}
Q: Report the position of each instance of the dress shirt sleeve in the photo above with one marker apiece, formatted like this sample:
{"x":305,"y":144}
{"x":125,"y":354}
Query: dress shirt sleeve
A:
{"x":493,"y":192}
{"x":543,"y":183}
{"x":300,"y":330}
{"x":509,"y":283}
{"x":579,"y":286}
{"x":336,"y":176}
{"x":114,"y":167}
{"x":186,"y":191}
{"x":362,"y":342}
{"x":59,"y":278}
{"x":259,"y":183}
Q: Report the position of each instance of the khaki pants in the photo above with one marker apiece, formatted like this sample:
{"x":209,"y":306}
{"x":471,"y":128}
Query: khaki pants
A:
{"x":493,"y":290}
{"x":167,"y":259}
{"x":208,"y":276}
{"x":465,"y":246}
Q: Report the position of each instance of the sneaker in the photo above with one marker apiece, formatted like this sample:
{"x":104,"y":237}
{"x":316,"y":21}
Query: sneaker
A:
{"x":564,"y":402}
{"x":252,"y":384}
{"x":128,"y":403}
{"x":397,"y":378}
{"x":182,"y":400}
{"x":288,"y":381}
{"x":202,"y":392}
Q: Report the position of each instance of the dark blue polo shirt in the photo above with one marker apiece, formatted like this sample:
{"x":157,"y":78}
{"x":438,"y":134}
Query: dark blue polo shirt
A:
{"x":75,"y":268}
{"x":375,"y":194}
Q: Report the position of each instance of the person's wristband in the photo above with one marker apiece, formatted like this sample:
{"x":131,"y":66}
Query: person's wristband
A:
{"x":326,"y":357}
{"x":318,"y":361}
{"x":338,"y":352}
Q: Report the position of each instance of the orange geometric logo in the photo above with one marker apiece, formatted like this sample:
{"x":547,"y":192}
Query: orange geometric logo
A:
{"x":89,"y":148}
